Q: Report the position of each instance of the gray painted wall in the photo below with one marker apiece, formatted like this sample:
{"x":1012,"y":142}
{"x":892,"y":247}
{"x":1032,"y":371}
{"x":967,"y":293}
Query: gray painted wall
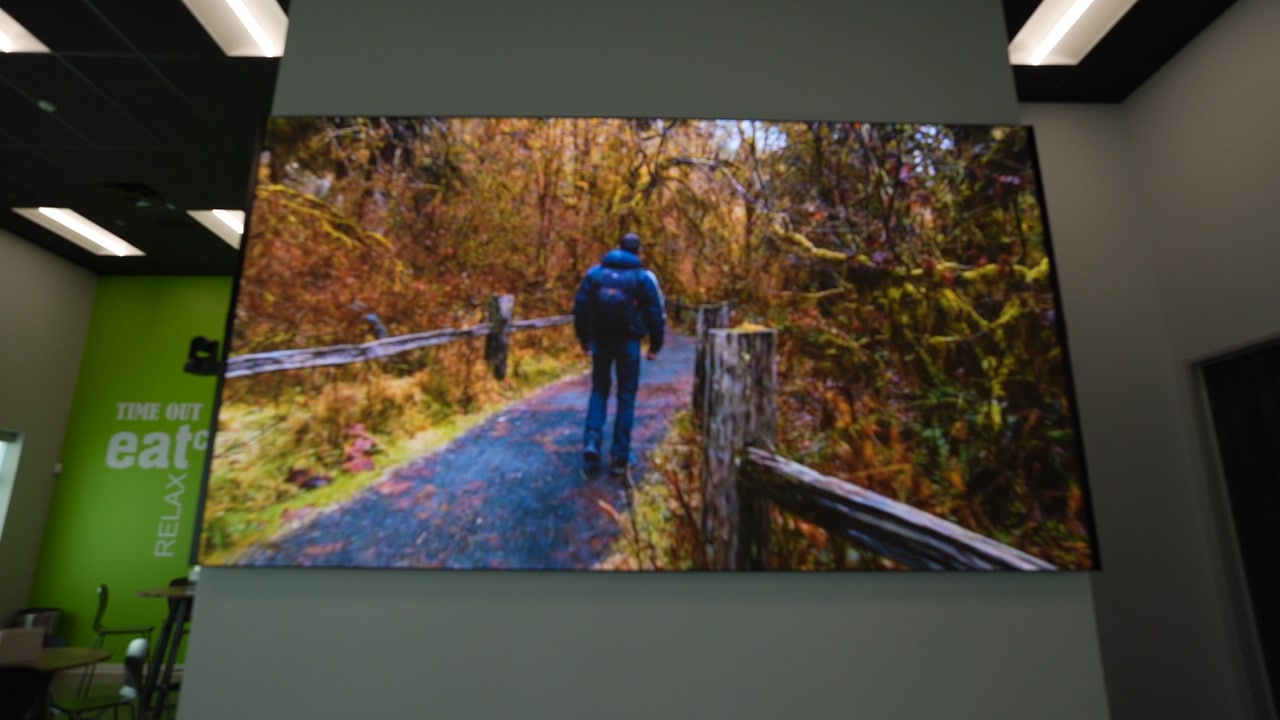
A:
{"x":45,"y":303}
{"x":1206,"y":149}
{"x":337,"y":644}
{"x":1160,"y":633}
{"x":1167,"y":236}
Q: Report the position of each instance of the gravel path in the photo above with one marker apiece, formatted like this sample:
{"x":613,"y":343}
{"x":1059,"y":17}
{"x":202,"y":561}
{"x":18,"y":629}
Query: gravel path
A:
{"x":511,"y":493}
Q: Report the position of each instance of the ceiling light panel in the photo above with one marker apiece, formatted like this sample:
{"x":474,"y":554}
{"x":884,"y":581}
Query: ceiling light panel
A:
{"x":80,"y":230}
{"x":243,"y":28}
{"x":226,"y":224}
{"x":16,"y":39}
{"x":1062,"y":32}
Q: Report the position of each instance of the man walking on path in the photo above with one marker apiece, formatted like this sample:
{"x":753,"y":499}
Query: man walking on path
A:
{"x":618,"y":303}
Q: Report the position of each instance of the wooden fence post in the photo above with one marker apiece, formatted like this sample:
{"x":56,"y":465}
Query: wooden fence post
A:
{"x":742,"y":379}
{"x":707,"y":318}
{"x":497,"y":343}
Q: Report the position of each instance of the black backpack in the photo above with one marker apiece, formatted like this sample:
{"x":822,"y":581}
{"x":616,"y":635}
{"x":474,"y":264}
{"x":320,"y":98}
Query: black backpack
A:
{"x":617,"y":307}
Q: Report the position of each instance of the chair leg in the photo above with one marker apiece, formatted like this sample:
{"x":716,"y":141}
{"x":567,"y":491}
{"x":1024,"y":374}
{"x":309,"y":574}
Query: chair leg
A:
{"x":86,"y":677}
{"x":86,"y":680}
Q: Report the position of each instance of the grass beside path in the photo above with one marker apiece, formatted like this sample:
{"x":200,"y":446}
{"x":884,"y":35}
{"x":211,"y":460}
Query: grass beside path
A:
{"x":249,"y":499}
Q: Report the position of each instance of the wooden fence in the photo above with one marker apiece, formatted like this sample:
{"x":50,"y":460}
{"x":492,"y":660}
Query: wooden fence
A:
{"x":497,"y":332}
{"x":743,"y":478}
{"x":735,"y":386}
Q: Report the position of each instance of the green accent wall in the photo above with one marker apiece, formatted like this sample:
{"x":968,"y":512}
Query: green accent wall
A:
{"x":124,"y":508}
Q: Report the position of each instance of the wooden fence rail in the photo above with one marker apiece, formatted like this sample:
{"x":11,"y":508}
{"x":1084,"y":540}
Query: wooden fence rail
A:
{"x":496,"y":331}
{"x":882,"y":525}
{"x":743,"y":479}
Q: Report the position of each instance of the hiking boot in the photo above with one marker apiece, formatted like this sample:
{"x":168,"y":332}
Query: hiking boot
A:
{"x":591,"y":455}
{"x":619,"y":466}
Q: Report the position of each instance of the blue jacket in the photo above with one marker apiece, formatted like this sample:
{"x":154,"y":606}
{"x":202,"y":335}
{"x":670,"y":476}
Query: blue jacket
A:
{"x":653,"y":312}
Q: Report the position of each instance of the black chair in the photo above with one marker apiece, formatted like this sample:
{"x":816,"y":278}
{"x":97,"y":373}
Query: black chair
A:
{"x":102,"y":632}
{"x":186,"y":626}
{"x":20,"y":688}
{"x":169,"y":679}
{"x":129,"y":694}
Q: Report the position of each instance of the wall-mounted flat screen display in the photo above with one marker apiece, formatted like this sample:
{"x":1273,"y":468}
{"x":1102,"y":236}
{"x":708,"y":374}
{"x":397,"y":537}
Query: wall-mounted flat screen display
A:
{"x":646,"y":344}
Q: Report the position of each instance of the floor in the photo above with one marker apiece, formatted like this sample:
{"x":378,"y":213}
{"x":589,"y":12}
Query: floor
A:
{"x":107,"y":680}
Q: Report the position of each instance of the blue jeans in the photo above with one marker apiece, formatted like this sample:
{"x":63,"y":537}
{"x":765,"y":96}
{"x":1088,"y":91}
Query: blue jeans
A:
{"x":624,"y":354}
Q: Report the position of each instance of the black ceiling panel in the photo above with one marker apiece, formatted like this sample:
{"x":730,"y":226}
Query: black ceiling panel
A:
{"x":133,"y":82}
{"x":67,"y":26}
{"x":29,"y":179}
{"x":37,"y":171}
{"x":93,"y":114}
{"x":149,"y":108}
{"x":25,"y":124}
{"x":88,"y":166}
{"x":194,"y":179}
{"x":157,"y":27}
{"x":235,"y":94}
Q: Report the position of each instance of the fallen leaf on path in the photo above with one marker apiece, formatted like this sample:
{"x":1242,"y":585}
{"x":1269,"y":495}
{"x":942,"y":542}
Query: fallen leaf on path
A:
{"x":325,"y":549}
{"x":609,"y":510}
{"x":393,"y":487}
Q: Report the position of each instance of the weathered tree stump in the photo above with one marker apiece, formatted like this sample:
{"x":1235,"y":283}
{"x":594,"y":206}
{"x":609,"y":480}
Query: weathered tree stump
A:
{"x":707,"y":318}
{"x":497,"y":344}
{"x":741,"y":387}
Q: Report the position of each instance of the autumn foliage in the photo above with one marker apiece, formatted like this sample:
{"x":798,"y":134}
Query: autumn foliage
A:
{"x":905,"y":267}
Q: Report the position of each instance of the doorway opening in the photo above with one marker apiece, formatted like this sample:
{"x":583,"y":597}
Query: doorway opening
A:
{"x":1243,"y":391}
{"x":10,"y":447}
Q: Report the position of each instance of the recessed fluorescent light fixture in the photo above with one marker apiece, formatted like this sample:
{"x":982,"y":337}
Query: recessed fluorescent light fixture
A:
{"x":16,"y":39}
{"x":1062,"y":32}
{"x":226,"y":224}
{"x":79,"y":230}
{"x":243,"y":28}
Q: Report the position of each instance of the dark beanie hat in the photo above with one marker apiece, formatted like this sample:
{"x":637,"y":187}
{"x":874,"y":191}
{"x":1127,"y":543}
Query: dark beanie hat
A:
{"x":630,"y":242}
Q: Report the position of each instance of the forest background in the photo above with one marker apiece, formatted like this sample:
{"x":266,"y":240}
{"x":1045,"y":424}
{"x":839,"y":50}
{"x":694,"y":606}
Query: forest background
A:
{"x":906,"y":269}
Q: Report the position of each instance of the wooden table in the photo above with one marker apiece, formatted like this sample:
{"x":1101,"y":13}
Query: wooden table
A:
{"x":53,"y":660}
{"x":156,"y":686}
